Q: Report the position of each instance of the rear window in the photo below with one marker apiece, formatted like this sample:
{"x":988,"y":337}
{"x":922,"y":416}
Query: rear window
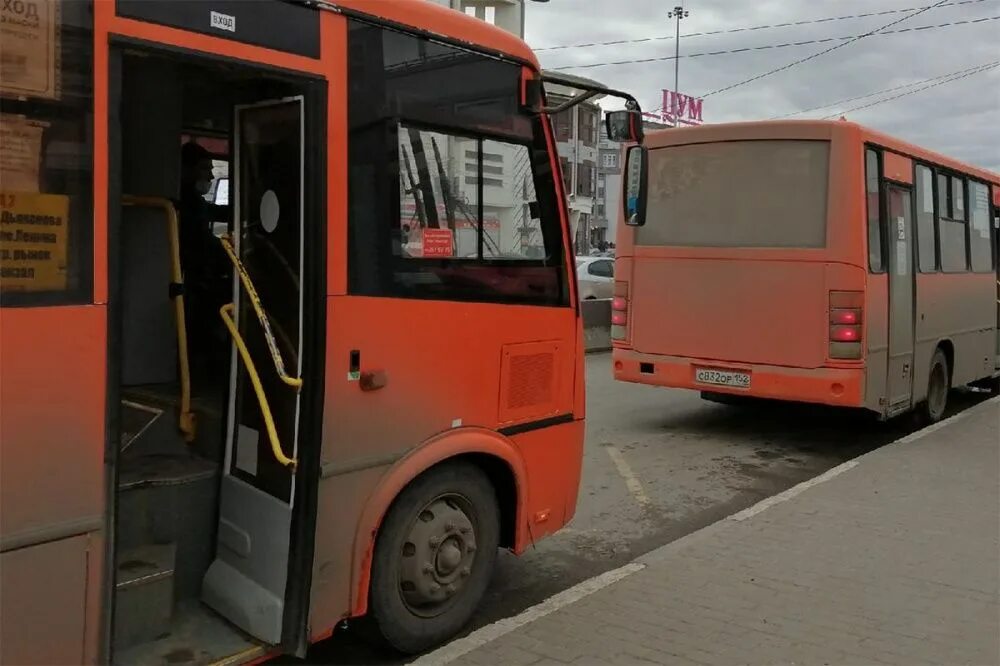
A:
{"x":738,"y":194}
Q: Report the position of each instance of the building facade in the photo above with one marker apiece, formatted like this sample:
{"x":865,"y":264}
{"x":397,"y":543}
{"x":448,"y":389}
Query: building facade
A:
{"x":609,"y":186}
{"x":577,"y":136}
{"x":577,"y":133}
{"x":505,"y":14}
{"x":607,"y":207}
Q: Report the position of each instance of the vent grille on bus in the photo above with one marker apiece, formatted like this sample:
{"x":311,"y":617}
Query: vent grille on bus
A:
{"x":531,"y":380}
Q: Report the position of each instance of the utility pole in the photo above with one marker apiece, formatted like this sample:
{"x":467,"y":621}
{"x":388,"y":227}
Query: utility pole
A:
{"x":677,"y":14}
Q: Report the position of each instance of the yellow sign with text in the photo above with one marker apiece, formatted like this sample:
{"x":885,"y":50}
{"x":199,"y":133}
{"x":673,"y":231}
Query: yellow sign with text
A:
{"x":34,"y":229}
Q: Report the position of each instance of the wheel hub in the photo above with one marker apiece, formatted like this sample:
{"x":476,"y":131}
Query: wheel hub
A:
{"x":437,"y":555}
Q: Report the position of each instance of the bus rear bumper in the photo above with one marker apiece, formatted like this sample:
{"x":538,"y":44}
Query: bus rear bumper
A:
{"x":843,"y":387}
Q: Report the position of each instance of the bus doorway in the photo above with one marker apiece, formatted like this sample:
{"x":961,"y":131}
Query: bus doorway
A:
{"x":211,"y":310}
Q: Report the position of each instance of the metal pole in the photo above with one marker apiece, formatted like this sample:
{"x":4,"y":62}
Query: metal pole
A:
{"x":677,"y":14}
{"x":677,"y":64}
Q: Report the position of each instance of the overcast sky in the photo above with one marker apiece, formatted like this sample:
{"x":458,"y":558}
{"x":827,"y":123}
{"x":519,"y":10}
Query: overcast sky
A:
{"x":960,"y":118}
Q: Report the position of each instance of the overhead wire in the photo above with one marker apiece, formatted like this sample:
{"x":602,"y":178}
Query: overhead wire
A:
{"x":774,"y":46}
{"x":886,"y":90}
{"x":979,"y":70}
{"x":823,"y":52}
{"x":827,"y":19}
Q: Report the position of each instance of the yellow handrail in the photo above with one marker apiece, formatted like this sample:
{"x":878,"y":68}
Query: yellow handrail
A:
{"x":272,"y":345}
{"x":272,"y":433}
{"x":186,"y":420}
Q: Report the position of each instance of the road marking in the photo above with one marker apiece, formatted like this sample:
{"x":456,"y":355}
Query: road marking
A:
{"x":491,"y":632}
{"x":631,"y":480}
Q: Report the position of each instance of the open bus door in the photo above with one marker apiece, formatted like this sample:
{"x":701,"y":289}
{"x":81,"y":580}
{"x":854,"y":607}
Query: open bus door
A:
{"x":214,"y":523}
{"x":246,"y":582}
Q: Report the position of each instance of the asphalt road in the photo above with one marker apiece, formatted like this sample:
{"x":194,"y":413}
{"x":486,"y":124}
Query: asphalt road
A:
{"x":660,"y":464}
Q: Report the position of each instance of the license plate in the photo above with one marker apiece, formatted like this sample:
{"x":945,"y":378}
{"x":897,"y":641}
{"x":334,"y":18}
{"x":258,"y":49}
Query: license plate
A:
{"x":733,"y":378}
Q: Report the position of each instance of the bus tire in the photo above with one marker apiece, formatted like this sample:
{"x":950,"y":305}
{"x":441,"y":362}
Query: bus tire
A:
{"x":938,"y":388}
{"x":434,"y":557}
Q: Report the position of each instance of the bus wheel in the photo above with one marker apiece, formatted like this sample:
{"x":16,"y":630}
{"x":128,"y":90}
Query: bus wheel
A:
{"x":938,"y":387}
{"x":434,"y":557}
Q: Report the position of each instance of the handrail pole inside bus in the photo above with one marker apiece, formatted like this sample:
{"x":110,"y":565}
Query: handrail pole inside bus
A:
{"x":186,"y":419}
{"x":265,"y":409}
{"x":279,"y":362}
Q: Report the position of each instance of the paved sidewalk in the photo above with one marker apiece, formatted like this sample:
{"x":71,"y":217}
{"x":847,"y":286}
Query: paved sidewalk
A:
{"x":892,"y":558}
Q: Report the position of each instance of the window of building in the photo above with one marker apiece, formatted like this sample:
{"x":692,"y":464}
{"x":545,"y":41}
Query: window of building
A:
{"x":588,"y":126}
{"x":926,"y":235}
{"x":952,"y":234}
{"x":609,"y":160}
{"x":424,"y":143}
{"x":980,"y":249}
{"x":563,"y":123}
{"x":567,"y":174}
{"x":46,"y":175}
{"x":585,"y":179}
{"x":874,"y":207}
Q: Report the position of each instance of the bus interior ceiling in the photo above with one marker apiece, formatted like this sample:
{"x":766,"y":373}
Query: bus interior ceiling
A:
{"x":168,"y":479}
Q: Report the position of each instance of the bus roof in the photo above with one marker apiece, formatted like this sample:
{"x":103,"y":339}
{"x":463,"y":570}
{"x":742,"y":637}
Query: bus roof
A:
{"x":443,"y":22}
{"x":806,"y":129}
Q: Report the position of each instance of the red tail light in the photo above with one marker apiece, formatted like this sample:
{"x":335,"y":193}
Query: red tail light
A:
{"x":619,"y":311}
{"x":846,"y":317}
{"x":845,"y":333}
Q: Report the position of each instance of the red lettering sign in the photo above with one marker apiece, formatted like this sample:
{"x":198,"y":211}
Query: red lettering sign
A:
{"x":680,"y":108}
{"x":438,"y":243}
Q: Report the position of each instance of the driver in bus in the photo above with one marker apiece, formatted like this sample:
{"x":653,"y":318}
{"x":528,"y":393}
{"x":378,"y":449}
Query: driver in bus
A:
{"x":203,"y":261}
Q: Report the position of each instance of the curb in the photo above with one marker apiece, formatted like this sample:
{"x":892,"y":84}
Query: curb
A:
{"x":484,"y":635}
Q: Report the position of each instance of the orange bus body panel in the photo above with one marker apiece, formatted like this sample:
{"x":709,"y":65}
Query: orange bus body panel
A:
{"x":765,"y":310}
{"x":429,"y":375}
{"x":52,"y":378}
{"x":898,"y":168}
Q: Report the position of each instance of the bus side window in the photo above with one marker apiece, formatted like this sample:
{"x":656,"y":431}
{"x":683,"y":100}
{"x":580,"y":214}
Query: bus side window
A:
{"x":46,"y":179}
{"x":953,"y":240}
{"x":926,"y":233}
{"x":874,"y":206}
{"x":980,"y":250}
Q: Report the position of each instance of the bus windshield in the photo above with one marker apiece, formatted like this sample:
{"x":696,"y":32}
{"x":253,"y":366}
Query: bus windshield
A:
{"x":738,"y":194}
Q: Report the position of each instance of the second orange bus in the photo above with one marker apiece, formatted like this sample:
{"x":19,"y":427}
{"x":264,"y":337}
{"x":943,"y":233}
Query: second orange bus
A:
{"x":810,"y":261}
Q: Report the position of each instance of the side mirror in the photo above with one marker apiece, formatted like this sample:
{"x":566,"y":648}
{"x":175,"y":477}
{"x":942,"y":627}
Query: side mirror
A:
{"x":624,"y":126}
{"x":635,"y":185}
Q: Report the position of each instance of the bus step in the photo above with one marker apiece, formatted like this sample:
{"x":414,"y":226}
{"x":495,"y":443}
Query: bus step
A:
{"x":144,"y":594}
{"x":166,"y":499}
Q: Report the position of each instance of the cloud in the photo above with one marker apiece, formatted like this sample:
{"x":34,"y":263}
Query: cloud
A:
{"x":960,"y":118}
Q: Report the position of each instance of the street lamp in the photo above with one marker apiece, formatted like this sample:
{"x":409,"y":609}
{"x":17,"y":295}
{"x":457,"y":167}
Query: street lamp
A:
{"x":678,"y":13}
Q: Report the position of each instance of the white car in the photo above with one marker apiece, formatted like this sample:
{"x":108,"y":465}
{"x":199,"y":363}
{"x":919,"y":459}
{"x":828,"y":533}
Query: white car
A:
{"x":596,"y":277}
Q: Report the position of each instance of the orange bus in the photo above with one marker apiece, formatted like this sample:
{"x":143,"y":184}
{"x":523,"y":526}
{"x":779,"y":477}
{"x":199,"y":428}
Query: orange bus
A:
{"x":264,"y":365}
{"x":807,"y":261}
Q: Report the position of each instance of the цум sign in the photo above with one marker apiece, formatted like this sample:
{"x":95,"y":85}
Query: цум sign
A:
{"x":687,"y":109}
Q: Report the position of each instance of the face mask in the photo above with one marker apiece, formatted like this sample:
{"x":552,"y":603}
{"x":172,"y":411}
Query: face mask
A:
{"x":203,"y":186}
